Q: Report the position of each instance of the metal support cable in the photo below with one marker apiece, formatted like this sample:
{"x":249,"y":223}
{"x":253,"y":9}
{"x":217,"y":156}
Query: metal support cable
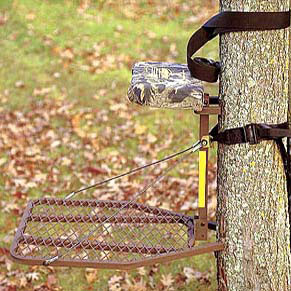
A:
{"x":73,"y":193}
{"x":198,"y":145}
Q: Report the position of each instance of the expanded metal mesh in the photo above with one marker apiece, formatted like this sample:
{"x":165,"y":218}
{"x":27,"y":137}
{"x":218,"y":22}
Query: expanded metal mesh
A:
{"x":99,"y":232}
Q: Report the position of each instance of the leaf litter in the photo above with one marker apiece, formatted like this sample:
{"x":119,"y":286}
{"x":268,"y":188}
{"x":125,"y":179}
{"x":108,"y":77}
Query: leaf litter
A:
{"x":54,"y":146}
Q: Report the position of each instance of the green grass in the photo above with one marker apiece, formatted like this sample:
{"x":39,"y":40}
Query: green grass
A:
{"x":48,"y":77}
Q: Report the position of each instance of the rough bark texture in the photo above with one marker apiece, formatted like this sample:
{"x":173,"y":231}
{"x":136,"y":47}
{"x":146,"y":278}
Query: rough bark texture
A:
{"x":252,"y":197}
{"x":289,"y":105}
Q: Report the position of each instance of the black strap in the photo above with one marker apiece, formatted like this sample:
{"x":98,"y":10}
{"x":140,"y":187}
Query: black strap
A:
{"x":208,"y":70}
{"x":255,"y":133}
{"x":252,"y":133}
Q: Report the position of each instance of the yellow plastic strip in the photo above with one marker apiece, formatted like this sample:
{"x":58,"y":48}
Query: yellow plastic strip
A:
{"x":202,"y":179}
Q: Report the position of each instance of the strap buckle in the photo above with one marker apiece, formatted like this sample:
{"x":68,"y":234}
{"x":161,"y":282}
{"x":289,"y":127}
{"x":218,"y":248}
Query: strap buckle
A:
{"x":251,"y":134}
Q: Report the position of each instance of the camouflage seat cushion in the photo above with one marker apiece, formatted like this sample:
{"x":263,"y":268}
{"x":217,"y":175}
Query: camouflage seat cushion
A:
{"x":165,"y":85}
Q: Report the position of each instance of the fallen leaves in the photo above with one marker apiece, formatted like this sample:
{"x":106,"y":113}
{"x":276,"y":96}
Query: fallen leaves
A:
{"x":124,"y":282}
{"x":151,"y":138}
{"x":30,"y":16}
{"x":56,"y":143}
{"x":3,"y":161}
{"x":33,"y":276}
{"x":118,"y":107}
{"x":95,"y":60}
{"x":142,"y":271}
{"x":65,"y":161}
{"x":114,"y":283}
{"x":167,"y":281}
{"x":19,"y":84}
{"x":23,"y":282}
{"x":3,"y":18}
{"x":38,"y":151}
{"x":4,"y":251}
{"x":55,"y":146}
{"x":83,"y":6}
{"x":95,"y":171}
{"x":42,"y":91}
{"x":76,"y":125}
{"x":140,"y":129}
{"x":192,"y":275}
{"x":10,"y":207}
{"x":67,"y":54}
{"x":91,"y":275}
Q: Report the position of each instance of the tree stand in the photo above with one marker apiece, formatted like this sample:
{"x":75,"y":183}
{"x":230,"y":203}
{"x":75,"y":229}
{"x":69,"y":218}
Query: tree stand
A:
{"x":125,"y":234}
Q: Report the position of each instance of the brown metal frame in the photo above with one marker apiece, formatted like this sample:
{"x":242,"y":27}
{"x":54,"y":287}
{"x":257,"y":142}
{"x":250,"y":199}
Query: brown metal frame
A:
{"x":155,"y":215}
{"x":163,"y":258}
{"x":204,"y":116}
{"x":197,"y":227}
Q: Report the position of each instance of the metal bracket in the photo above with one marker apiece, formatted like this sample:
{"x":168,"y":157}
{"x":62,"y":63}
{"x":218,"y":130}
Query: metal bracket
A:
{"x":206,"y":142}
{"x":202,"y":222}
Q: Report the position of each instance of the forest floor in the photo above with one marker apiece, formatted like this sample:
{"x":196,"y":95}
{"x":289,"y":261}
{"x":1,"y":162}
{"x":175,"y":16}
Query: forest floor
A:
{"x":65,"y":123}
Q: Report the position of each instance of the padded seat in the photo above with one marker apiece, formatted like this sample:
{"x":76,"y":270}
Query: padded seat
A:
{"x":165,"y":85}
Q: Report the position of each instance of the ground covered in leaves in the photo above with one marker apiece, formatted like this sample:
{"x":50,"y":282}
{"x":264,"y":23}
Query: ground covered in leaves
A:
{"x":65,"y":123}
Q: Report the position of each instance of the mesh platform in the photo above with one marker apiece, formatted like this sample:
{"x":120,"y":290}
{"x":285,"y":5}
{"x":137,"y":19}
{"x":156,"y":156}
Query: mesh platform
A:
{"x":111,"y":234}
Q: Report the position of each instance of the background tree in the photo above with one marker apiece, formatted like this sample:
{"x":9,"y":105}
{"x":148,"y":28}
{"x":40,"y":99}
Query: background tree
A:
{"x":252,"y":196}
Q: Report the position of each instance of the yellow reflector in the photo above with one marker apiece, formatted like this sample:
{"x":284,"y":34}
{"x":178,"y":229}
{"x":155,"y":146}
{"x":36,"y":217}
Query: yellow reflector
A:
{"x":202,"y":179}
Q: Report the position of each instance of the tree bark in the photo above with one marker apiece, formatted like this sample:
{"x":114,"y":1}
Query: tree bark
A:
{"x":289,"y":100}
{"x":252,"y":196}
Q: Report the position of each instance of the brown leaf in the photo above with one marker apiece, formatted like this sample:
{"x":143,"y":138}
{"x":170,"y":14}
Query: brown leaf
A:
{"x":10,"y":206}
{"x":151,"y":138}
{"x":91,"y":275}
{"x":142,"y":271}
{"x":19,"y":84}
{"x":23,"y":282}
{"x":4,"y":251}
{"x":95,"y":171}
{"x":51,"y":280}
{"x":3,"y":18}
{"x":10,"y":288}
{"x":192,"y":274}
{"x":42,"y":91}
{"x":56,"y":50}
{"x":76,"y":126}
{"x":140,"y":129}
{"x":67,"y":54}
{"x":134,"y":286}
{"x":114,"y":283}
{"x":167,"y":280}
{"x":18,"y":195}
{"x":33,"y":276}
{"x":30,"y":16}
{"x":84,"y":5}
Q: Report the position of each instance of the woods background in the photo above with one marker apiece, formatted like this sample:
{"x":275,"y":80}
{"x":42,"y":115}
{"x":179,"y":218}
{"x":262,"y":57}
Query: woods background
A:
{"x":65,"y":122}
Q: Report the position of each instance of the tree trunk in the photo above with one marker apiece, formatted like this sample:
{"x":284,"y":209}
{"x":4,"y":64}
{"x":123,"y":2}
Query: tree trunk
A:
{"x":289,"y":100}
{"x":289,"y":105}
{"x":289,"y":111}
{"x":252,"y":196}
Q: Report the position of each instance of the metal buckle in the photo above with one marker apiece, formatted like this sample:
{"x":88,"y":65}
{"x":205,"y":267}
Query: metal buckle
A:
{"x":250,"y":134}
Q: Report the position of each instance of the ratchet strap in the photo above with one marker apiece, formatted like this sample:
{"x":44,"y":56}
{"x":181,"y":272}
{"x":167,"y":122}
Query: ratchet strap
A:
{"x":208,"y":70}
{"x":255,"y":133}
